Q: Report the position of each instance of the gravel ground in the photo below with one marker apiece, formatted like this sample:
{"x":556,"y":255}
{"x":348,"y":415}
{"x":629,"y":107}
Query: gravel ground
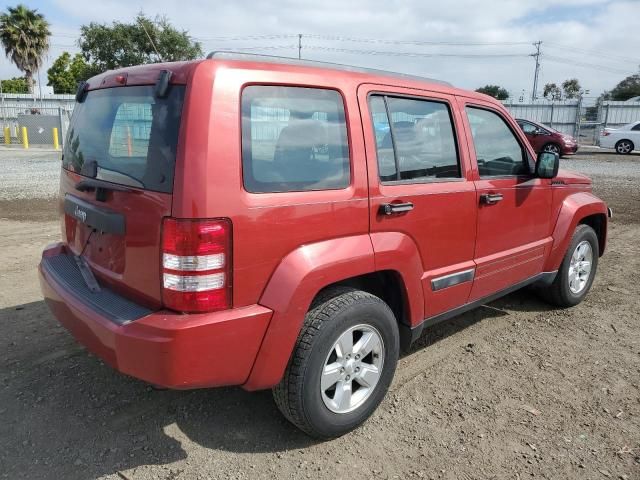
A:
{"x":596,"y":162}
{"x":26,"y":174}
{"x":511,"y":390}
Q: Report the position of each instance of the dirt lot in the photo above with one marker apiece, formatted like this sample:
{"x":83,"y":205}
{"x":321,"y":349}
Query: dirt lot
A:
{"x":512,"y":390}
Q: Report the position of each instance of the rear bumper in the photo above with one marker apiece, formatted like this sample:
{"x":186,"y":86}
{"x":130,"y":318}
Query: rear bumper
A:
{"x":163,"y":348}
{"x":606,"y":142}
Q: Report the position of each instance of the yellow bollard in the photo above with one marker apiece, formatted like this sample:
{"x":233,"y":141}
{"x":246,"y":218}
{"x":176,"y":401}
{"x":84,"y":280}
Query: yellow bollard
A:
{"x":7,"y":136}
{"x":25,"y":138}
{"x":56,"y":145}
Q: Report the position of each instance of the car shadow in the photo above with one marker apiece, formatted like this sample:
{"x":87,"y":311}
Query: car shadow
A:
{"x":523,"y":300}
{"x":65,"y":414}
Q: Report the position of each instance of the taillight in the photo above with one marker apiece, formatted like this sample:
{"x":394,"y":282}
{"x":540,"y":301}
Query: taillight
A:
{"x":196,"y":264}
{"x":606,"y":134}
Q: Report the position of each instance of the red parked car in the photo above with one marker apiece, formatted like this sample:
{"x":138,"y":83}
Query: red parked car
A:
{"x":271,"y":223}
{"x":546,"y":139}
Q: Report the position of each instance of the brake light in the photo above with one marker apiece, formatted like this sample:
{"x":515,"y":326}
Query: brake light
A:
{"x":606,"y":133}
{"x":196,"y":264}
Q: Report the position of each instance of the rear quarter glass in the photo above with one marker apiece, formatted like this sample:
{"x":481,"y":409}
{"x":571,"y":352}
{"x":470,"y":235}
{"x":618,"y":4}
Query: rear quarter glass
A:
{"x":126,"y":135}
{"x":293,"y":139}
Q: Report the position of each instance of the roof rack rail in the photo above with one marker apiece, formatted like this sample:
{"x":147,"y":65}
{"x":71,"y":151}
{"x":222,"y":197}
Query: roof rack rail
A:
{"x":236,"y":55}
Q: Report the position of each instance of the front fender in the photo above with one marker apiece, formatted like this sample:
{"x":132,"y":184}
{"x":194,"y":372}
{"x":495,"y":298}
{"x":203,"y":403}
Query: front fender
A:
{"x":574,"y":208}
{"x":292,"y":287}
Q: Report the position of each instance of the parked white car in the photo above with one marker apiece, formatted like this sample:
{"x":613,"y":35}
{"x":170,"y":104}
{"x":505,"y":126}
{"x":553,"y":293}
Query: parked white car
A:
{"x":624,"y":139}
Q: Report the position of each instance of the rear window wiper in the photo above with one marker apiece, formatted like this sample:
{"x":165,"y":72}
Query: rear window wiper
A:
{"x":100,"y":187}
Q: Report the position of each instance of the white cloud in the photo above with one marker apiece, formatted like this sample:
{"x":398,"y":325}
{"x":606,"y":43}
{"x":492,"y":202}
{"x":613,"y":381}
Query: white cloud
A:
{"x":580,"y":24}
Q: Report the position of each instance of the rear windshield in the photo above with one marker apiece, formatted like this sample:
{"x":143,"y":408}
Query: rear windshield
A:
{"x":126,"y":135}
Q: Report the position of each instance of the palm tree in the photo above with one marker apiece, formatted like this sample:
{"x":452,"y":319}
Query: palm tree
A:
{"x":24,"y":34}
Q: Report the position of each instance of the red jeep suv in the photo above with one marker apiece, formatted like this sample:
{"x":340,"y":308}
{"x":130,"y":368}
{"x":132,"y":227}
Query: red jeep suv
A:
{"x":271,"y":223}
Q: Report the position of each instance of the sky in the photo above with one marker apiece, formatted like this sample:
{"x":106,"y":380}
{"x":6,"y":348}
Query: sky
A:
{"x":468,"y":43}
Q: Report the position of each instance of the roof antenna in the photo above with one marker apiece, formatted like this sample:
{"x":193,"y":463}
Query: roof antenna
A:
{"x":149,"y":37}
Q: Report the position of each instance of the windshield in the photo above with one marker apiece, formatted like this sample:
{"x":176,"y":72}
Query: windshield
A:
{"x":126,"y":135}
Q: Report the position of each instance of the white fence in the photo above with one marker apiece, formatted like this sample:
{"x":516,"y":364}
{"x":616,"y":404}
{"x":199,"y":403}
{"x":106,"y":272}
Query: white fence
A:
{"x":37,"y":114}
{"x":559,"y":115}
{"x":615,"y":114}
{"x":574,"y":118}
{"x":12,"y":104}
{"x":571,"y":117}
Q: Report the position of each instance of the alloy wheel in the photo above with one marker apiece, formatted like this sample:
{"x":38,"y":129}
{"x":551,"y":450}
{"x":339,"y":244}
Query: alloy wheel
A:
{"x":552,"y":148}
{"x":623,"y":147}
{"x":580,"y":267}
{"x":352,"y":369}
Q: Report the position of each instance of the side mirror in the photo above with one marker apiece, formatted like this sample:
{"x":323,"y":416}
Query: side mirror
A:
{"x":547,"y":165}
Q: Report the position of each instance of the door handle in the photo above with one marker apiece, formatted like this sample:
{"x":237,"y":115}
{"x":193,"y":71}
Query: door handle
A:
{"x":394,"y":208}
{"x":490,"y":198}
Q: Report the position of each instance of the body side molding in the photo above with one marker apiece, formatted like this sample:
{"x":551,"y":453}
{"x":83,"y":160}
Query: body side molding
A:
{"x":452,"y":279}
{"x":545,"y":278}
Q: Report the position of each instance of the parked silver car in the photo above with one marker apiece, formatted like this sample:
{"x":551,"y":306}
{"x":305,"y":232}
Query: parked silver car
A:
{"x":624,"y":139}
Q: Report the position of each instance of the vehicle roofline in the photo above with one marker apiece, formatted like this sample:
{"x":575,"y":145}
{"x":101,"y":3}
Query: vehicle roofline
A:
{"x":242,"y":56}
{"x":257,"y":62}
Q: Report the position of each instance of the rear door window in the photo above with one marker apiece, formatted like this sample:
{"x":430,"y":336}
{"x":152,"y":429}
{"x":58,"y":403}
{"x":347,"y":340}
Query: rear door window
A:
{"x":126,"y":135}
{"x":293,"y":139}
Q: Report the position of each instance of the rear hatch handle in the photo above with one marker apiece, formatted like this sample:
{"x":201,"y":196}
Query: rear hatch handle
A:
{"x":100,"y":186}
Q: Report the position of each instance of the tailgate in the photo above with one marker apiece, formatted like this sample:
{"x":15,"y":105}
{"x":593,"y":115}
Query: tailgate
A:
{"x":117,"y":182}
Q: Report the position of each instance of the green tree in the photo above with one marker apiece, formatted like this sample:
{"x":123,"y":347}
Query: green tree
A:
{"x":66,"y":72}
{"x":15,"y":85}
{"x":24,"y":34}
{"x":626,"y":89}
{"x":571,"y":88}
{"x":551,"y":91}
{"x":494,"y":91}
{"x":106,"y":47}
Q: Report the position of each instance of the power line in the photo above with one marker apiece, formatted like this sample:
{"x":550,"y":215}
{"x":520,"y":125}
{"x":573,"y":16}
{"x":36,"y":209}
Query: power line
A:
{"x":243,"y":38}
{"x":360,"y":51}
{"x":341,"y":38}
{"x":594,"y":53}
{"x":410,"y":42}
{"x":578,"y":63}
{"x":414,"y":54}
{"x":261,"y":47}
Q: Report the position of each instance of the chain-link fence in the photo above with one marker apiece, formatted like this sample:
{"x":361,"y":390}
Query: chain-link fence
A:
{"x":30,"y":121}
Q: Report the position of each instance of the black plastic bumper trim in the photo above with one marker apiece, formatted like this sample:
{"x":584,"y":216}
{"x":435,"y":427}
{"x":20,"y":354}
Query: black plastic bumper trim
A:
{"x":115,"y":308}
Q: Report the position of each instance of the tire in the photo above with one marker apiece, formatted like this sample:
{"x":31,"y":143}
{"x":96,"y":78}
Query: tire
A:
{"x":341,"y":313}
{"x":565,"y":292}
{"x":624,"y":147}
{"x":553,"y":148}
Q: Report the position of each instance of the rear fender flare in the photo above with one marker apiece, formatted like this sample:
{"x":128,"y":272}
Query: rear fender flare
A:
{"x":297,"y":280}
{"x":290,"y":291}
{"x":574,"y":208}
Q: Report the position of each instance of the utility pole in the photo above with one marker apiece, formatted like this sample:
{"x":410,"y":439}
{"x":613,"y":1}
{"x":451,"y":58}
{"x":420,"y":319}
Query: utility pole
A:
{"x":299,"y":46}
{"x":535,"y":75}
